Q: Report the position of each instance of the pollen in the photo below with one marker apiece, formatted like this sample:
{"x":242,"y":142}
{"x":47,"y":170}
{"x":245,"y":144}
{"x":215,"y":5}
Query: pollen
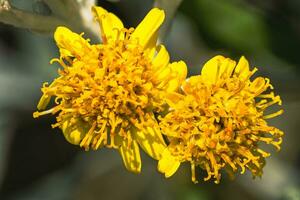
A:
{"x":218,"y":121}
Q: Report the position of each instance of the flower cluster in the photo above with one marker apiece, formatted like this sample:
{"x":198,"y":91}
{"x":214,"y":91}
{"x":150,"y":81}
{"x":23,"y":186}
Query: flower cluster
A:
{"x":107,"y":94}
{"x":218,"y":121}
{"x":125,"y":94}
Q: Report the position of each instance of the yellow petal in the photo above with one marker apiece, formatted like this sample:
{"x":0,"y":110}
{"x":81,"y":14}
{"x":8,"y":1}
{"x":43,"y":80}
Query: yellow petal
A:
{"x":43,"y":102}
{"x":148,"y":27}
{"x":70,"y":43}
{"x":170,"y":77}
{"x":211,"y":68}
{"x":173,"y":85}
{"x":150,"y":48}
{"x":74,"y":133}
{"x":131,"y":156}
{"x":162,"y":74}
{"x":226,"y":68}
{"x":258,"y":86}
{"x":168,"y":165}
{"x":173,"y":98}
{"x":45,"y":99}
{"x":179,"y":69}
{"x":242,"y":68}
{"x":161,"y":59}
{"x":109,"y":24}
{"x":151,"y":141}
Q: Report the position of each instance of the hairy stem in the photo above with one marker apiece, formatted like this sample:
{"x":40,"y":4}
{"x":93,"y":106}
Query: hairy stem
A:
{"x":74,"y":14}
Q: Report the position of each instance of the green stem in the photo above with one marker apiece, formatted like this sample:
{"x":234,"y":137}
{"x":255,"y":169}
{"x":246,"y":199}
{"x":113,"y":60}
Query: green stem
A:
{"x":71,"y":13}
{"x":170,"y":7}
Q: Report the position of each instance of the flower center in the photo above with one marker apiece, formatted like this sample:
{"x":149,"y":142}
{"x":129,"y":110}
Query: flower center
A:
{"x":109,"y":89}
{"x":221,"y":124}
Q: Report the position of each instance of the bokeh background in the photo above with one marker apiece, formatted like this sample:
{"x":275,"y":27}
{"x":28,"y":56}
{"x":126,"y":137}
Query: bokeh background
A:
{"x":36,"y":162}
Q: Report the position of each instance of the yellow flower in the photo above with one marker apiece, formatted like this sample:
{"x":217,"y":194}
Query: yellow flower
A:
{"x":106,"y":94}
{"x":219,"y":121}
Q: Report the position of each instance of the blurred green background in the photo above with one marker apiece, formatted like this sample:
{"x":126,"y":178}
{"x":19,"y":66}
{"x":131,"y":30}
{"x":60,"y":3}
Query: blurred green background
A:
{"x":37,"y":163}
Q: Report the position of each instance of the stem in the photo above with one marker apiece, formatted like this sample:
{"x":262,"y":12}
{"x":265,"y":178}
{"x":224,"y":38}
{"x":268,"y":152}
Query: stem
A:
{"x":24,"y":19}
{"x":170,"y":7}
{"x":74,"y":14}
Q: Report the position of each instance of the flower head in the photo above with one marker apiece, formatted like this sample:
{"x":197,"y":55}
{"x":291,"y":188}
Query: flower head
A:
{"x":106,"y":94}
{"x":219,"y":121}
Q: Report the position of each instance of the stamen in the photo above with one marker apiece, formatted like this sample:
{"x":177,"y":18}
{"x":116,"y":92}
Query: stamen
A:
{"x":50,"y":111}
{"x":273,"y":114}
{"x":194,"y":180}
{"x":88,"y":137}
